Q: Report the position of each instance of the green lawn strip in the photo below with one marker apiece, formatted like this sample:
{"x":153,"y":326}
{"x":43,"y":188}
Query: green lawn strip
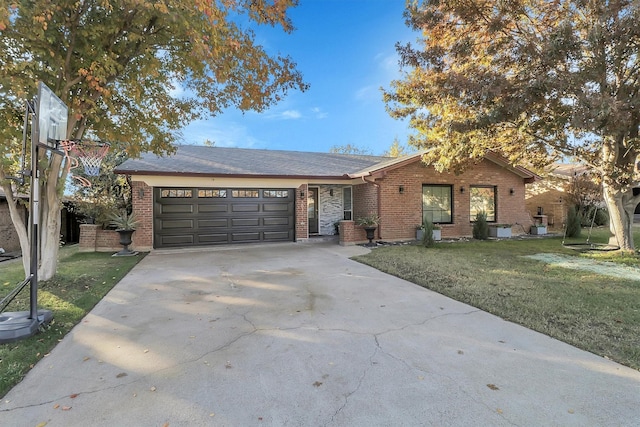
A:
{"x":81,"y":281}
{"x":597,"y":313}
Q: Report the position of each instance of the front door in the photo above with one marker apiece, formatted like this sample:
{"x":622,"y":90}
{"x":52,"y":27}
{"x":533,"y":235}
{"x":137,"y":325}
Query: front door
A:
{"x":312,"y":210}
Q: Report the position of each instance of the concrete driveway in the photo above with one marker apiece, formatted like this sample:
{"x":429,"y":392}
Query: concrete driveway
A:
{"x":299,"y":335}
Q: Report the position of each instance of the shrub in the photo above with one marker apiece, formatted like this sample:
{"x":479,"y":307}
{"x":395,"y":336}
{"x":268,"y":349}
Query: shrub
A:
{"x":574,"y":223}
{"x":480,"y":227}
{"x":427,"y":236}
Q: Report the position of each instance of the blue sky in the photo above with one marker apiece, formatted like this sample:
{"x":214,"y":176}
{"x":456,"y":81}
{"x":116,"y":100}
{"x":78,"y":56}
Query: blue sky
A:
{"x":345,"y":50}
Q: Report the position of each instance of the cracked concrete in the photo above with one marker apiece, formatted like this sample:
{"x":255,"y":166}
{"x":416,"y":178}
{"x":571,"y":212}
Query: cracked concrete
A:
{"x":297,"y":334}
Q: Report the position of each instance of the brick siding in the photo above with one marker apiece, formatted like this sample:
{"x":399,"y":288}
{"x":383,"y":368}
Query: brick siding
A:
{"x":401,"y":212}
{"x":301,"y":215}
{"x":8,"y":235}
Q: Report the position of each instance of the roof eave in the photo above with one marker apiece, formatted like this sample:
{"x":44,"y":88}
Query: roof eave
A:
{"x":221,"y":175}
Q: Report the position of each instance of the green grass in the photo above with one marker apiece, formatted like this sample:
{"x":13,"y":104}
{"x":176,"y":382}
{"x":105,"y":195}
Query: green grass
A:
{"x":82,"y":279}
{"x":591,"y":311}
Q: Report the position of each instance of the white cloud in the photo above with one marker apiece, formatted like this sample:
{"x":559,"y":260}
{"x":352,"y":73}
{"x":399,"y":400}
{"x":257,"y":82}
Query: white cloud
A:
{"x":290,"y":114}
{"x":319,"y":114}
{"x":224,"y":133}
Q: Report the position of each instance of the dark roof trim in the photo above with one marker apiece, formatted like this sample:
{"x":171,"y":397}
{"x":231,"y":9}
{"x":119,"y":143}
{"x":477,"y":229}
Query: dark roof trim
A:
{"x":220,"y":175}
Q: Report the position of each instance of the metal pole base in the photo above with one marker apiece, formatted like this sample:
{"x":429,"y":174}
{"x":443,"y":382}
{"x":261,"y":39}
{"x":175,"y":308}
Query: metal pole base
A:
{"x":16,"y":325}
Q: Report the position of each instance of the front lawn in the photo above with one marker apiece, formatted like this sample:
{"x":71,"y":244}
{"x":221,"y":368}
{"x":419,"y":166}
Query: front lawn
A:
{"x":81,"y":281}
{"x":592,"y":311}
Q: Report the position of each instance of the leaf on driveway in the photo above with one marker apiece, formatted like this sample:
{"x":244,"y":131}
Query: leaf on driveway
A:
{"x":121,"y":374}
{"x":317,"y":384}
{"x":493,"y":387}
{"x":74,"y":395}
{"x":66,"y":408}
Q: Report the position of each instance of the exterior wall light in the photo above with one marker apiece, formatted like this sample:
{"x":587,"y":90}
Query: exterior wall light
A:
{"x":401,"y":189}
{"x":461,"y":190}
{"x":512,"y":191}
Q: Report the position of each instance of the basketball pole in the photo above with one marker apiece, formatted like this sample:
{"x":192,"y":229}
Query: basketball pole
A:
{"x":23,"y":324}
{"x":34,"y":205}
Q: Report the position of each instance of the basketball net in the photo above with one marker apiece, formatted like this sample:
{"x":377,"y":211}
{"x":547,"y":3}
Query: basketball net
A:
{"x":89,"y":154}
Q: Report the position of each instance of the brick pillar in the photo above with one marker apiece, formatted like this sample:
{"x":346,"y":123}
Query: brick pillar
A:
{"x":302,"y":220}
{"x":88,"y":237}
{"x":347,"y":232}
{"x":143,"y":208}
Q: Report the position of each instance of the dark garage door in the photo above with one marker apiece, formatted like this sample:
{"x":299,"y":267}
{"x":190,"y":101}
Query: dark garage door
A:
{"x":213,"y":216}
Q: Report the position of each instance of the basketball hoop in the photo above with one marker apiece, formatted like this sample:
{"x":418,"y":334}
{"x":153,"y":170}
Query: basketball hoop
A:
{"x":90,"y":154}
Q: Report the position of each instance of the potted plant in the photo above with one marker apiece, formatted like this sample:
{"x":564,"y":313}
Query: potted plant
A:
{"x":538,"y":229}
{"x":369,"y":223}
{"x":125,"y":224}
{"x":501,"y":231}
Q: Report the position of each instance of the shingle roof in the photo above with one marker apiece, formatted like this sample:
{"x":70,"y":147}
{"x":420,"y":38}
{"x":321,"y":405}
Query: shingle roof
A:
{"x":221,"y":161}
{"x":242,"y":162}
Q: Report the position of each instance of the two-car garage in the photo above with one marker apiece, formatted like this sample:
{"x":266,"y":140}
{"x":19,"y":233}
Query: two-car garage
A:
{"x":211,"y":216}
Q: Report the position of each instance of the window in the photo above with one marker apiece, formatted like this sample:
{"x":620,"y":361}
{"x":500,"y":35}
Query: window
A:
{"x":245,"y":193}
{"x":483,"y":198}
{"x":212,"y":194}
{"x":176,"y":193}
{"x":277,"y":194}
{"x":437,"y":203}
{"x":347,"y":205}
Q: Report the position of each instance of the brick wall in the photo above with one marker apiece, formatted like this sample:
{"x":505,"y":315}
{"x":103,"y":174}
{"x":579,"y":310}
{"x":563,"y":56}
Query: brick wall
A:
{"x":365,"y":202}
{"x":94,"y":239}
{"x":549,"y":195}
{"x":401,"y":212}
{"x":302,"y":228}
{"x":143,"y":207}
{"x":8,"y":236}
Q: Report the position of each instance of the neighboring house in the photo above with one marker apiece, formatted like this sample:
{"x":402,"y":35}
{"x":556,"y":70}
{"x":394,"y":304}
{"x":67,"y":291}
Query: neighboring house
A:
{"x":213,"y":195}
{"x":548,"y":197}
{"x":8,"y":235}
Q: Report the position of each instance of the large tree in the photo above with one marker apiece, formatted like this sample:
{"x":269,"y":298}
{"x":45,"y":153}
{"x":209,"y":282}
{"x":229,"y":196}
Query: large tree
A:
{"x":531,"y":79}
{"x":133,"y":72}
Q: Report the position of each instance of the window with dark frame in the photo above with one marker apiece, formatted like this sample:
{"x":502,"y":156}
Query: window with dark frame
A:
{"x":245,"y":193}
{"x":275,"y":194}
{"x":167,"y":193}
{"x":482,"y":198}
{"x":437,"y":203}
{"x":212,"y":193}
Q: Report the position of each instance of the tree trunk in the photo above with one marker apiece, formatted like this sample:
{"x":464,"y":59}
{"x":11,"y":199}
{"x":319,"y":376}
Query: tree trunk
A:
{"x":621,"y":206}
{"x":50,"y":202}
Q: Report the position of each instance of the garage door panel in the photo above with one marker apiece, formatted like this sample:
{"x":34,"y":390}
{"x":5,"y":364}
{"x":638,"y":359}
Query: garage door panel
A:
{"x":172,"y":224}
{"x":277,"y":221}
{"x":213,"y":238}
{"x":180,"y":240}
{"x":254,"y":207}
{"x":217,"y":219}
{"x":245,"y":237}
{"x":273,"y":207}
{"x":169,"y":209}
{"x":245,"y":222}
{"x":213,"y":223}
{"x":212,"y":208}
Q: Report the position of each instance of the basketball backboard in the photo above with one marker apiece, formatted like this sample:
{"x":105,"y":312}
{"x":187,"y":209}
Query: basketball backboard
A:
{"x":52,"y":118}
